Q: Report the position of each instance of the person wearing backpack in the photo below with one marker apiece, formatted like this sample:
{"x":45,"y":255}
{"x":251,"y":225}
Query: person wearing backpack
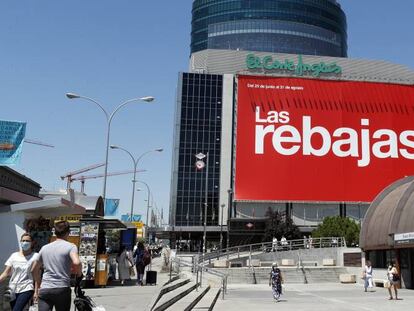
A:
{"x":139,"y":262}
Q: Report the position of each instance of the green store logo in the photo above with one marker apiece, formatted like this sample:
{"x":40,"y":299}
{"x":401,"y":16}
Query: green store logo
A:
{"x":299,"y":69}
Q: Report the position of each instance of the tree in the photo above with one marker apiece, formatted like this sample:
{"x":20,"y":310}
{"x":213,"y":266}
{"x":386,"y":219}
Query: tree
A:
{"x":278,"y":225}
{"x":337,"y":226}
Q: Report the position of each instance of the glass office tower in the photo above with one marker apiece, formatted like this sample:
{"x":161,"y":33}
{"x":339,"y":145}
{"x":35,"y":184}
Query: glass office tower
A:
{"x":309,"y":27}
{"x":199,"y":108}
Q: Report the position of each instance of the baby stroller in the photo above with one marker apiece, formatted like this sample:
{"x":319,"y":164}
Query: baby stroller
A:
{"x":82,"y":302}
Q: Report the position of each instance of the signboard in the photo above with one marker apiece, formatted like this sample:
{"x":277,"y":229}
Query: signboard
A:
{"x":314,"y":140}
{"x":88,"y":247}
{"x":111,"y":207}
{"x":138,"y":224}
{"x":127,"y":217}
{"x":11,"y":141}
{"x":68,"y":218}
{"x":298,"y":68}
{"x":404,"y":238}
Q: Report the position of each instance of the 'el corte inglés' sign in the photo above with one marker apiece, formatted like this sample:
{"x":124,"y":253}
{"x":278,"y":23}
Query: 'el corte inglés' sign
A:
{"x":299,"y":69}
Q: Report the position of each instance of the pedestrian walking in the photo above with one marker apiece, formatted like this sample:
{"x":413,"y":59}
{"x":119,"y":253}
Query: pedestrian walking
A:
{"x":124,"y":265}
{"x":393,"y":279}
{"x":19,"y":266}
{"x":367,"y":276}
{"x":274,"y":244}
{"x":139,"y":262}
{"x":275,"y":281}
{"x":57,"y":258}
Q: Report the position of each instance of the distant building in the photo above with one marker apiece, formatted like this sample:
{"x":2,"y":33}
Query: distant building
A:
{"x":309,"y":27}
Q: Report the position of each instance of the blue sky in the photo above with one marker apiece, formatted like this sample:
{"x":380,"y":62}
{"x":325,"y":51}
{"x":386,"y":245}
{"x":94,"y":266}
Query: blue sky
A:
{"x":116,"y":50}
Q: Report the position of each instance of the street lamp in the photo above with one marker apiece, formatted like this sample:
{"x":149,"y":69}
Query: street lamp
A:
{"x":109,"y":117}
{"x":148,"y":206}
{"x":135,"y":162}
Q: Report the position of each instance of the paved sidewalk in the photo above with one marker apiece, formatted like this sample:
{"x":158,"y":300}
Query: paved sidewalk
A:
{"x":312,"y":297}
{"x":129,"y":297}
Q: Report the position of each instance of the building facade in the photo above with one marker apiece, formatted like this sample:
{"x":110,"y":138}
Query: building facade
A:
{"x":309,"y":27}
{"x":207,"y":119}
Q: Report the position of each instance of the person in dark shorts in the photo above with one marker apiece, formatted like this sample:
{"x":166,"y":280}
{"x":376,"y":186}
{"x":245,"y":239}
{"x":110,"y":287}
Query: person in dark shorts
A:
{"x":57,"y":259}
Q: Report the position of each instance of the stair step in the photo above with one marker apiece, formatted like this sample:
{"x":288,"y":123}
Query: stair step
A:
{"x":189,"y":301}
{"x":209,"y":300}
{"x":169,"y":287}
{"x":171,"y":297}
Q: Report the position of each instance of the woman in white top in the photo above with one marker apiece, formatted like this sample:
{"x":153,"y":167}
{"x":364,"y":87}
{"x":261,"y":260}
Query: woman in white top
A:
{"x":368,"y":276}
{"x":19,"y":266}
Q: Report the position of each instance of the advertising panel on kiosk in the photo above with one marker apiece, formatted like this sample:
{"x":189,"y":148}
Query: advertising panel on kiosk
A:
{"x":318,"y":140}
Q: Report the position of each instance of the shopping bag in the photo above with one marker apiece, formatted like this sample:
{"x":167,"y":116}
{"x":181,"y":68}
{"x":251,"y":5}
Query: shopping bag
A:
{"x":34,"y":307}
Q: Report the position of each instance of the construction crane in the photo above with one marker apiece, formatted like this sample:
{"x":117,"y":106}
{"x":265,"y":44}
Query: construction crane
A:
{"x":37,"y":142}
{"x":69,"y":176}
{"x":83,"y":178}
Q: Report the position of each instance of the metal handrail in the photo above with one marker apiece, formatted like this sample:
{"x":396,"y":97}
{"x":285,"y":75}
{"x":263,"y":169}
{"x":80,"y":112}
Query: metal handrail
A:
{"x":199,"y":267}
{"x":287,"y":245}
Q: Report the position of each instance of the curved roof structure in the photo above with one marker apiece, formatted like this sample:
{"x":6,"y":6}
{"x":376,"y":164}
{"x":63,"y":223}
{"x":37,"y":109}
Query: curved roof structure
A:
{"x":392,"y":212}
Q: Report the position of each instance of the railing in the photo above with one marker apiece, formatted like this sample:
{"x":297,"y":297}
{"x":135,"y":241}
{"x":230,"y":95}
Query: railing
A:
{"x":265,"y":247}
{"x":198,"y":269}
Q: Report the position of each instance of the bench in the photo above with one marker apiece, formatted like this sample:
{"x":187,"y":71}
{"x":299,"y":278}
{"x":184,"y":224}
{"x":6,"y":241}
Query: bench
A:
{"x":379,"y":282}
{"x":288,"y":262}
{"x":347,"y":278}
{"x":220,"y":264}
{"x":253,"y":263}
{"x":328,"y":262}
{"x":236,"y":264}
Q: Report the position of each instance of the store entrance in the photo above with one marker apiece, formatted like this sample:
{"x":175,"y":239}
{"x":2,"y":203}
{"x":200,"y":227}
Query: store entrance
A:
{"x":407,"y":267}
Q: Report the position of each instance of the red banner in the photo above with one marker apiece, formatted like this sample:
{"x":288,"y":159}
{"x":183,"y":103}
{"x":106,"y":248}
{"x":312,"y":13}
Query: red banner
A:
{"x":315,"y":140}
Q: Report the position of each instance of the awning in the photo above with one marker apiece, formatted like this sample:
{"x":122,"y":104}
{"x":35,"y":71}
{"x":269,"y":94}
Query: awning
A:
{"x":106,"y":223}
{"x":46,"y":208}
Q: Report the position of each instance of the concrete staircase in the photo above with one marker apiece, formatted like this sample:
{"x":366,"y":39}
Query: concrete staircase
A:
{"x":292,"y":275}
{"x":183,"y":294}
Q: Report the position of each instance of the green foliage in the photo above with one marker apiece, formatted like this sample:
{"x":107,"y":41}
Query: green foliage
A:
{"x":278,"y":225}
{"x":339,"y":227}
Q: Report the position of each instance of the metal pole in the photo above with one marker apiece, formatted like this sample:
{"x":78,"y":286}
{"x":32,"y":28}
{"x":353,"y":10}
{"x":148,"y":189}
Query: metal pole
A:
{"x":229,"y":191}
{"x":106,"y":159}
{"x":148,"y":205}
{"x":205,"y":210}
{"x":221,"y":228}
{"x":133,"y":190}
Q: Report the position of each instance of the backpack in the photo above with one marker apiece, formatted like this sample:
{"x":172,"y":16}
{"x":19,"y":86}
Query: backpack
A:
{"x":146,"y":259}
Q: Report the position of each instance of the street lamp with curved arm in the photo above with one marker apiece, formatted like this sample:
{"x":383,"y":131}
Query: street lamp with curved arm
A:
{"x":148,"y":206}
{"x":109,"y":117}
{"x":135,"y":161}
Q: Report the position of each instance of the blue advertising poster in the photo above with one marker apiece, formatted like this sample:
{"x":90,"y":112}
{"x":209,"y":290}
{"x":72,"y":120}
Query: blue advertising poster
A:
{"x":111,"y":207}
{"x":11,"y":141}
{"x":127,"y":217}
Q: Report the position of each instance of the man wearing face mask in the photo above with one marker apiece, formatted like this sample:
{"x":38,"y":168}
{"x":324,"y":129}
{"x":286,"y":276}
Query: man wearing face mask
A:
{"x":20,"y":265}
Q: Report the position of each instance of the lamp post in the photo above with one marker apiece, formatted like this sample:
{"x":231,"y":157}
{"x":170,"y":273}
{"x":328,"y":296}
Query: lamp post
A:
{"x":135,"y":162}
{"x":148,"y":206}
{"x":230,"y":192}
{"x":109,"y":117}
{"x":221,"y":227}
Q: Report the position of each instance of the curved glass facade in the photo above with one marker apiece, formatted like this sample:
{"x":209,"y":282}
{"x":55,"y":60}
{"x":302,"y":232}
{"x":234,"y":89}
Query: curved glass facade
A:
{"x":310,"y":27}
